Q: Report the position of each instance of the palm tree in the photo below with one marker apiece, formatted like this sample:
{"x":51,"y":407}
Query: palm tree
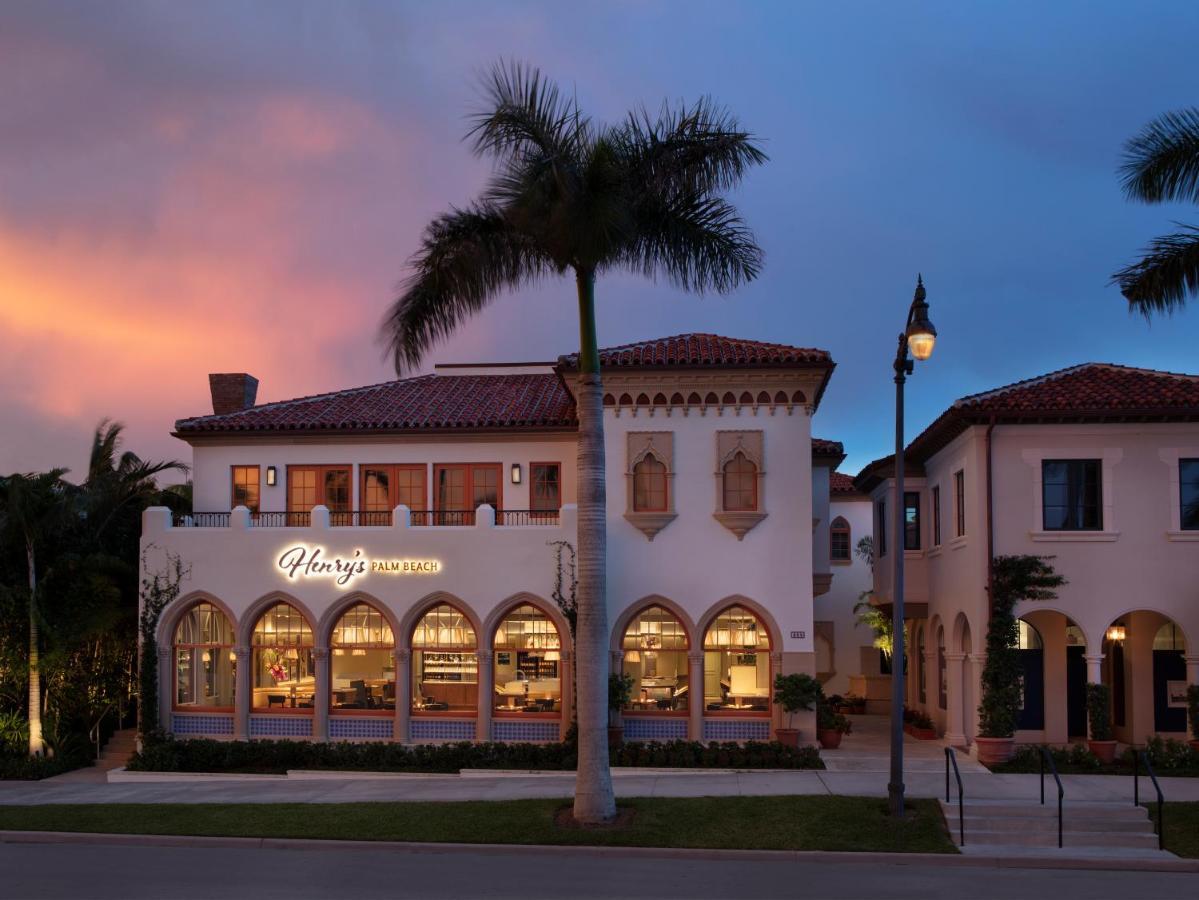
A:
{"x":1161,"y":164}
{"x":32,"y":508}
{"x":569,"y":195}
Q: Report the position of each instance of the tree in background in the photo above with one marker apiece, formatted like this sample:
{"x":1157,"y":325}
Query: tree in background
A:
{"x":1161,"y":165}
{"x":572,"y":196}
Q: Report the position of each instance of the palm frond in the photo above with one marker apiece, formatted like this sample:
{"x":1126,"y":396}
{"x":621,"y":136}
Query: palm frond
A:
{"x":466,"y":258}
{"x":1162,"y":279}
{"x":699,"y":242}
{"x":1162,"y":162}
{"x":697,"y":148}
{"x":527,"y":115}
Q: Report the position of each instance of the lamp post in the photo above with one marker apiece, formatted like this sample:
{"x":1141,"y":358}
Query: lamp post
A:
{"x":918,"y":338}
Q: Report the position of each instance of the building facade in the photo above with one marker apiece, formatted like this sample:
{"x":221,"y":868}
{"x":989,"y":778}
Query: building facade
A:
{"x":1096,"y":466}
{"x":394,"y":562}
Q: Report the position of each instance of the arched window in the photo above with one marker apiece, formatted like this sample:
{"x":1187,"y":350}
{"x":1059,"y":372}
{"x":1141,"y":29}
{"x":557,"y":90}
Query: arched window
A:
{"x":839,"y":540}
{"x":362,"y":668}
{"x":284,"y":678}
{"x":528,"y":663}
{"x":205,"y":665}
{"x":649,"y":485}
{"x":445,"y":666}
{"x":740,"y":484}
{"x":655,"y":657}
{"x":737,"y":664}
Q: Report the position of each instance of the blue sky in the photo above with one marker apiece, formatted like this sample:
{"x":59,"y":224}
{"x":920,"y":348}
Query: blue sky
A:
{"x":236,"y":186}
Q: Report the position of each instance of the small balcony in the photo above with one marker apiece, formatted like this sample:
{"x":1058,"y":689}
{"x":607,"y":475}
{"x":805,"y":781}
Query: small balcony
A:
{"x":401,"y":516}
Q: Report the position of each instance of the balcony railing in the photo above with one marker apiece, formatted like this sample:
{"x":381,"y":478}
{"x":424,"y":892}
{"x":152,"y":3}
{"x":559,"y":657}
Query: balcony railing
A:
{"x":371,"y":518}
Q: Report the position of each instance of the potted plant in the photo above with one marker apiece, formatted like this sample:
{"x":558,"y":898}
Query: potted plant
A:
{"x":837,"y":704}
{"x":1013,"y":579}
{"x":1193,"y":715}
{"x":1100,"y":742}
{"x":921,"y":727}
{"x":620,"y":689}
{"x":830,"y":726}
{"x":857,"y":705}
{"x":794,"y":693}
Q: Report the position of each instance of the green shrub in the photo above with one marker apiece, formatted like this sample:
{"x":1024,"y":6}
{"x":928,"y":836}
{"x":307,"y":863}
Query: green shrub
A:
{"x":14,"y":734}
{"x":27,"y":768}
{"x":795,"y":692}
{"x":1099,"y":704}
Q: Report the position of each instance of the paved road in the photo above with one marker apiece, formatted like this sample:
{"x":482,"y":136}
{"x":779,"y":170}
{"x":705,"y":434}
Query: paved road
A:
{"x":35,"y":871}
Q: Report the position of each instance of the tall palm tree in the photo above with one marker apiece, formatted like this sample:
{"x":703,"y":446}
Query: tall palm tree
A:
{"x":32,"y":508}
{"x":570,"y":195}
{"x":1161,"y":164}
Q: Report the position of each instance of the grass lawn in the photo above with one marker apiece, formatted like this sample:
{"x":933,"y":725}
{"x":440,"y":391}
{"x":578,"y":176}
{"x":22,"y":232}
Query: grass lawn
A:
{"x":1182,"y":827}
{"x":758,"y":823}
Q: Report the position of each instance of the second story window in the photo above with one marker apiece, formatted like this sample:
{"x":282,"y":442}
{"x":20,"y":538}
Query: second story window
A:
{"x":1071,"y":495}
{"x":959,"y":502}
{"x":1188,"y":480}
{"x":546,"y":493}
{"x":740,"y":484}
{"x":246,"y":487}
{"x":384,"y":487}
{"x":880,"y":527}
{"x":839,"y":538}
{"x":649,"y":485}
{"x":309,"y":486}
{"x":911,"y":520}
{"x":936,"y":501}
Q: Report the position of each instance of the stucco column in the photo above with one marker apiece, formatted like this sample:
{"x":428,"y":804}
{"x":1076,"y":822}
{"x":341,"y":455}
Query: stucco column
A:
{"x":1094,"y":669}
{"x":166,"y":687}
{"x":1192,"y":669}
{"x":320,"y":699}
{"x":977,"y":662}
{"x":486,"y":664}
{"x":241,"y":694}
{"x":566,"y":677}
{"x":955,"y":723}
{"x":403,"y":695}
{"x":695,"y":696}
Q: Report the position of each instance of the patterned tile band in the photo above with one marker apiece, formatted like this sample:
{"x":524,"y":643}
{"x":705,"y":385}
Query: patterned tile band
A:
{"x":192,"y":725}
{"x":640,"y":728}
{"x":441,"y":730}
{"x":360,"y":728}
{"x":509,"y":730}
{"x":280,"y":726}
{"x":736,"y":729}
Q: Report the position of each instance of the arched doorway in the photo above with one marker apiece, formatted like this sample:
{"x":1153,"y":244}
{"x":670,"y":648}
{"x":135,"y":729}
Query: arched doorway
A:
{"x":1031,"y":648}
{"x":1144,"y":665}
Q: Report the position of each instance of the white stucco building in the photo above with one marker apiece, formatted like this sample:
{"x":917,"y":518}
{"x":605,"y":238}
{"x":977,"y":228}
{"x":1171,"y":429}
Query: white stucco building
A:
{"x":380,"y":562}
{"x":1098,"y":467}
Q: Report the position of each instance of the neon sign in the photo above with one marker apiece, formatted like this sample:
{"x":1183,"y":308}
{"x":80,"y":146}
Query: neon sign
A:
{"x":302,"y":561}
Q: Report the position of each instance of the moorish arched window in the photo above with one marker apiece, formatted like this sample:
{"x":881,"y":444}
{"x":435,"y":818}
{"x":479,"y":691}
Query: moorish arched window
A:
{"x":740,"y":484}
{"x":839,"y":540}
{"x":445,"y":664}
{"x":655,"y":658}
{"x":528,"y":663}
{"x":205,"y":664}
{"x":362,"y":669}
{"x":283,"y":672}
{"x":649,"y":485}
{"x":737,"y":653}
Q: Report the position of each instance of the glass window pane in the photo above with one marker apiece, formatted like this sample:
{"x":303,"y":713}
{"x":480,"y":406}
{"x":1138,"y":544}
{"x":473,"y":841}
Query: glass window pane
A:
{"x":655,"y":657}
{"x":527,"y":659}
{"x":1188,"y":472}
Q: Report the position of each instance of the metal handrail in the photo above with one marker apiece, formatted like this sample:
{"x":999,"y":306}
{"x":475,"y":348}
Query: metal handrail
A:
{"x":1136,"y":793}
{"x":951,"y":757}
{"x":526,"y":517}
{"x":93,"y":734}
{"x":1046,"y":755}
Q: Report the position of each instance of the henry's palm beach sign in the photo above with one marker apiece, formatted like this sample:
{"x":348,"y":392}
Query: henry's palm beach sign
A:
{"x":305,"y":561}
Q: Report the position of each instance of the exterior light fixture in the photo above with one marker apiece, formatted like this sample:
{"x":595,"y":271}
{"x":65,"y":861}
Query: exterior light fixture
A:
{"x":272,"y":475}
{"x":1116,"y":633}
{"x":921,"y":334}
{"x":516,"y":473}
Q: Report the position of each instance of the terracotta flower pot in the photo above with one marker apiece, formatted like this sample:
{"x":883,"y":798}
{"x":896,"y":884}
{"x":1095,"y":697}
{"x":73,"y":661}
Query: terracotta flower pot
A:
{"x":995,"y":750}
{"x":829,"y":740}
{"x":924,"y":734}
{"x":615,"y":735}
{"x":1105,"y":751}
{"x":789,"y":737}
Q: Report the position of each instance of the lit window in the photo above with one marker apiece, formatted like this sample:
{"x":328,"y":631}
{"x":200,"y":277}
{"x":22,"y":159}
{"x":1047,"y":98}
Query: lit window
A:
{"x":362,"y":661}
{"x":284,"y":674}
{"x":737,"y":664}
{"x":740,"y":484}
{"x":445,"y":665}
{"x":655,"y":658}
{"x":204,"y":661}
{"x":528,"y":656}
{"x":246,"y":487}
{"x":547,"y":487}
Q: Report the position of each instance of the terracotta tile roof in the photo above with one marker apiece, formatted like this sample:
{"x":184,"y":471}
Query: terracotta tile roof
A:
{"x":427,"y":402}
{"x":704,"y":350}
{"x":840,"y":483}
{"x":826,"y":448}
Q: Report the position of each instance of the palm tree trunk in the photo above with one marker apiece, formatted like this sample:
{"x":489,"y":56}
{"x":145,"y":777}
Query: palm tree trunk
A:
{"x":35,"y":687}
{"x":594,"y":798}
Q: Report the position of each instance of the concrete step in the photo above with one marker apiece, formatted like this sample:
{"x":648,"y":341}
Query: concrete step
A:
{"x":1033,"y":809}
{"x":1006,"y":824}
{"x":1043,"y":824}
{"x":1126,"y":840}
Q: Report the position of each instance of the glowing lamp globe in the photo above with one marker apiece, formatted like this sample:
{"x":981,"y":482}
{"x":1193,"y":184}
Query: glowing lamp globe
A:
{"x":920,"y":343}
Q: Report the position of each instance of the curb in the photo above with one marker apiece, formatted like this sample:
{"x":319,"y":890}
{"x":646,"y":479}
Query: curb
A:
{"x":801,"y":856}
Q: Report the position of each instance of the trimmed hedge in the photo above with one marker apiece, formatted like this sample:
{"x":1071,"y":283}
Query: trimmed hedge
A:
{"x":202,"y":755}
{"x":25,"y":768}
{"x":1169,"y":757}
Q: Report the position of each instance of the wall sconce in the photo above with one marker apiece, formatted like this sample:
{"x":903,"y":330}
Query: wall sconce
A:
{"x":516,"y":473}
{"x":271,"y":476}
{"x":1116,"y":633}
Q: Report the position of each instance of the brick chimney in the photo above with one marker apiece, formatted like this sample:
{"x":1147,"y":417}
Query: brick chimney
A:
{"x":232,"y":392}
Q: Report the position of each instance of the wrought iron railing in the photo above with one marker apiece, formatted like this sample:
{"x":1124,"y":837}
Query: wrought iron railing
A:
{"x":950,"y":757}
{"x":526,"y":517}
{"x":1047,"y":757}
{"x":367,"y":518}
{"x":1137,"y":759}
{"x":201,"y":520}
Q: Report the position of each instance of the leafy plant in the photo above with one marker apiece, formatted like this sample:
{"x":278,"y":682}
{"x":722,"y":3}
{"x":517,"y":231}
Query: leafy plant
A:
{"x":620,"y":690}
{"x":1099,"y":704}
{"x":877,"y":621}
{"x":828,"y":720}
{"x":14,"y":733}
{"x":1013,"y":579}
{"x":159,"y":590}
{"x":795,"y":692}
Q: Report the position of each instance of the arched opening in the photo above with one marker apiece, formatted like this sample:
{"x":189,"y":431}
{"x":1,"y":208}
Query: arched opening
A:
{"x":839,"y":540}
{"x":654,"y":656}
{"x":1031,"y":649}
{"x":284,"y":673}
{"x":740,"y":484}
{"x":205,"y":664}
{"x":737,"y":664}
{"x":1144,"y":665}
{"x":445,"y":663}
{"x":362,"y":669}
{"x":528,"y":663}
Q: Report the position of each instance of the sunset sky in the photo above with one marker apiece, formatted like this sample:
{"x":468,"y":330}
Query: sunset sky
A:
{"x":196,"y":187}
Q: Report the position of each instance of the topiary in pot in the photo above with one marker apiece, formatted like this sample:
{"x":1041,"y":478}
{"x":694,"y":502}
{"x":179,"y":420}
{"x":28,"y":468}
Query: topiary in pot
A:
{"x":794,"y":693}
{"x":620,"y":689}
{"x":1099,"y":705}
{"x":830,"y":726}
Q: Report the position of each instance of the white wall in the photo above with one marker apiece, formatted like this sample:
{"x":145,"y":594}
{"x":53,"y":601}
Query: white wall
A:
{"x":849,"y":581}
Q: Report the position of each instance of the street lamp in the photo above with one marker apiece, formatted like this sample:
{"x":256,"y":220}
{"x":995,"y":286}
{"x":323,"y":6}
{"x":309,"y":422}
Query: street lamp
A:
{"x":918,"y":338}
